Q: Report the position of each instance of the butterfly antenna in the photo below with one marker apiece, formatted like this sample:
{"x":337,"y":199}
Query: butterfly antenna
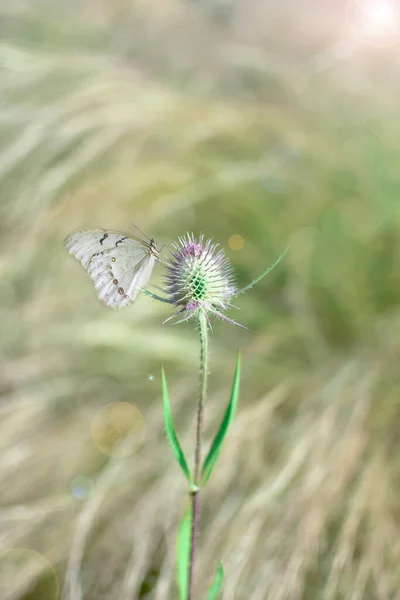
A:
{"x":141,"y":232}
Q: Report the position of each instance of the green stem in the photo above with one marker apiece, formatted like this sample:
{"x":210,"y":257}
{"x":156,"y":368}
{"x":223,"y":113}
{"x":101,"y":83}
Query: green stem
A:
{"x":198,"y":448}
{"x":155,"y":296}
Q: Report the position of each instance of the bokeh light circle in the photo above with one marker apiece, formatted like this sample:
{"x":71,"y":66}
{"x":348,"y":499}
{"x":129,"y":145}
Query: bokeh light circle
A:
{"x":118,"y":429}
{"x":81,"y":487}
{"x":24,"y":568}
{"x":236,"y":242}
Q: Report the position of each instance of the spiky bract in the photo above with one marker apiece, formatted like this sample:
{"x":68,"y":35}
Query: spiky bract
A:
{"x":199,"y":277}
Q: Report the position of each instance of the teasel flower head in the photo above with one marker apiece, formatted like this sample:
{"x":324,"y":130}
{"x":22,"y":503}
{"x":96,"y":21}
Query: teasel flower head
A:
{"x":199,"y":277}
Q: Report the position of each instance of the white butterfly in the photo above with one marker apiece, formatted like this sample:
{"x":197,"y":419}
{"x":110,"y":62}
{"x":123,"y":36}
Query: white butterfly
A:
{"x":119,"y":264}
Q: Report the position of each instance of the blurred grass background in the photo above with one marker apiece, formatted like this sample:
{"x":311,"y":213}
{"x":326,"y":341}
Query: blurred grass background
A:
{"x":271,"y":121}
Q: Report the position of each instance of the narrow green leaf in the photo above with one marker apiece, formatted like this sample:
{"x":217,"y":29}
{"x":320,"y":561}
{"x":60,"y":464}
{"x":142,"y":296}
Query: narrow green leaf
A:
{"x":169,"y":426}
{"x":257,"y":279}
{"x":216,"y":446}
{"x":217,"y":583}
{"x":184,"y":546}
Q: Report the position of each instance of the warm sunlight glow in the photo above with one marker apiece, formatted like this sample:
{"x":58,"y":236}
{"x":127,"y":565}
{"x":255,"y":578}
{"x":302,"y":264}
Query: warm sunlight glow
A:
{"x":376,"y":19}
{"x":381,"y":16}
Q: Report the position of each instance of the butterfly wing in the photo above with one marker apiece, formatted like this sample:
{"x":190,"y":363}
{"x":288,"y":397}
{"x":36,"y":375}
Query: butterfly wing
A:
{"x":119,"y":264}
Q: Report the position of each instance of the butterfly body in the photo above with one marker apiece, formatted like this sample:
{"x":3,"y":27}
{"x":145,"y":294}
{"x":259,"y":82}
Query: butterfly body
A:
{"x":119,"y":264}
